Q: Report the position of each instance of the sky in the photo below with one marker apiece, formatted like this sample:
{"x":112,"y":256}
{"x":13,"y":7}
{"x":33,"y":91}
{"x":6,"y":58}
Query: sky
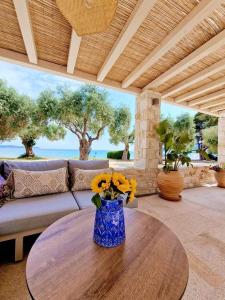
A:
{"x":32,"y":82}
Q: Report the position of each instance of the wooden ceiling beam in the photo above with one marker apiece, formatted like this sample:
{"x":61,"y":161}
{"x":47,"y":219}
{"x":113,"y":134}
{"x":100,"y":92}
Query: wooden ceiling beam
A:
{"x":73,"y":52}
{"x":210,"y":46}
{"x":52,"y":68}
{"x":135,"y":20}
{"x":207,"y":72}
{"x":217,"y":108}
{"x":199,"y":13}
{"x":212,"y":103}
{"x":23,"y":16}
{"x":202,"y":89}
{"x":207,"y":98}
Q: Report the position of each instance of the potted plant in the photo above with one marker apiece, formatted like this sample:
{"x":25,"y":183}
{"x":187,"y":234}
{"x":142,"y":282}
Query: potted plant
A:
{"x":111,"y":190}
{"x":219,"y":174}
{"x":175,"y":144}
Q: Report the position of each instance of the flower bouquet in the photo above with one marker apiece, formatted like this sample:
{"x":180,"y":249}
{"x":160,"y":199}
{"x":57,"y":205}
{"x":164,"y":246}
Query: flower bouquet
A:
{"x":110,"y":192}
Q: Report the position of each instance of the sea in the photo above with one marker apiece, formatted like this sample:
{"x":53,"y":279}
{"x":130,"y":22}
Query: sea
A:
{"x":16,"y":151}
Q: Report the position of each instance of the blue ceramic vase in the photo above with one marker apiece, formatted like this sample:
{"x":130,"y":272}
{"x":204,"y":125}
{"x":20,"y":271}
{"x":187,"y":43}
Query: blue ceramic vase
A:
{"x":109,"y":228}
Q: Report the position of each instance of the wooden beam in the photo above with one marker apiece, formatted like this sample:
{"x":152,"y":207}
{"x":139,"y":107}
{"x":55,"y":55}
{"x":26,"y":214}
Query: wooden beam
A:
{"x":207,"y":98}
{"x":195,"y":108}
{"x":199,"y":13}
{"x":217,"y":108}
{"x":73,"y":52}
{"x":207,"y":72}
{"x":202,"y":89}
{"x":212,"y":45}
{"x":212,"y":103}
{"x":21,"y":59}
{"x":135,"y":20}
{"x":23,"y":16}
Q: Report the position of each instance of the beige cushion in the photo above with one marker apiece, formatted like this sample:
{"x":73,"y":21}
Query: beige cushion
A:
{"x":32,"y":183}
{"x":83,"y":178}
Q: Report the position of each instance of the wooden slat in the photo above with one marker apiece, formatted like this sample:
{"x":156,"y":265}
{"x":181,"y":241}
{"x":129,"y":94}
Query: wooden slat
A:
{"x":207,"y":98}
{"x":22,"y":11}
{"x":212,"y":45}
{"x":73,"y":52}
{"x":217,"y":108}
{"x":207,"y":72}
{"x":21,"y":59}
{"x":202,"y":89}
{"x":135,"y":20}
{"x":199,"y":13}
{"x":212,"y":103}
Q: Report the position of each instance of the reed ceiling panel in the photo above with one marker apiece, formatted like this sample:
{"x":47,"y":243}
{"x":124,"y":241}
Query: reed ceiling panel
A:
{"x":10,"y":34}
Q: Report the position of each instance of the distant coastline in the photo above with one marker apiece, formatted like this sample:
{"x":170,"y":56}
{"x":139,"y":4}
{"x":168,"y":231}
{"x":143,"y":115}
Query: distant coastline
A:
{"x":12,"y":151}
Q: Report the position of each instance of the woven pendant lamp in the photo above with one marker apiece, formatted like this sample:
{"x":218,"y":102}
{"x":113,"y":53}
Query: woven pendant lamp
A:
{"x":88,"y":16}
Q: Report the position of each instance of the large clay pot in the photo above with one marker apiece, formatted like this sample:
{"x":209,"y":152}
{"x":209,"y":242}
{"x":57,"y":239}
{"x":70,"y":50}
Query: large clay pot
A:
{"x":170,"y":185}
{"x":220,"y":178}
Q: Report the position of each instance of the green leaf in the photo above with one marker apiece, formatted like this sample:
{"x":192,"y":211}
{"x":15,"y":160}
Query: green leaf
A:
{"x":96,"y":199}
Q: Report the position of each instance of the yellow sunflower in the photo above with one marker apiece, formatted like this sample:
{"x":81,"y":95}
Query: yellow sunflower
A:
{"x":133,"y":185}
{"x":100,"y":182}
{"x":120,"y":181}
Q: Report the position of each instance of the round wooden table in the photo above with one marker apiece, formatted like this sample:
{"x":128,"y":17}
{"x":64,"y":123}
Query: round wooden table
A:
{"x":65,"y":263}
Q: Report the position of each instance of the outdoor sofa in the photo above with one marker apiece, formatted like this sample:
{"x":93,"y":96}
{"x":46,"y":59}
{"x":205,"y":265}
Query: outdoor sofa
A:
{"x":27,"y":216}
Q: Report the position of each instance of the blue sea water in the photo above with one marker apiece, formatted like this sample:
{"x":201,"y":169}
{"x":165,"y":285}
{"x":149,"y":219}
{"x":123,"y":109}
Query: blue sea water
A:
{"x":14,"y":152}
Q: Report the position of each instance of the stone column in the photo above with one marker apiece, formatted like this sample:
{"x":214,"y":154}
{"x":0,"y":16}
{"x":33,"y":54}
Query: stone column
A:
{"x":146,"y":139}
{"x":221,"y":140}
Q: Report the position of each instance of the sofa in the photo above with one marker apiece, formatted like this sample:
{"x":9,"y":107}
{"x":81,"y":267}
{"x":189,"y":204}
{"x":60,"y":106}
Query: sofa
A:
{"x":27,"y":216}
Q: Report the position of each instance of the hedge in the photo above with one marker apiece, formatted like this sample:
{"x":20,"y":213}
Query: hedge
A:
{"x":116,"y":154}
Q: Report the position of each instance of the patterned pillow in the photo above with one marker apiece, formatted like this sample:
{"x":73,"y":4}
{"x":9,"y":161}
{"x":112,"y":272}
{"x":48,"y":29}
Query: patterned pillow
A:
{"x":83,"y":178}
{"x":2,"y":191}
{"x":24,"y":184}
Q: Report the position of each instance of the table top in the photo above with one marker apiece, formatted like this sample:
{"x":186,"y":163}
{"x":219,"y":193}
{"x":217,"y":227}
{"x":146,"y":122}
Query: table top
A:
{"x":65,"y":263}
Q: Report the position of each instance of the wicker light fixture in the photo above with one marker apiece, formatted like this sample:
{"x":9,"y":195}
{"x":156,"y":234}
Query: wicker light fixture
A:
{"x":88,"y":16}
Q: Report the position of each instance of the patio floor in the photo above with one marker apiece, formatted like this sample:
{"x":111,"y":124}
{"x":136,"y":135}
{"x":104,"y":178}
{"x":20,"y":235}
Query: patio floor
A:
{"x":199,"y":222}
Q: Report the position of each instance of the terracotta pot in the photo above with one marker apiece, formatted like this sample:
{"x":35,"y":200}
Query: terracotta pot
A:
{"x":220,"y":178}
{"x":170,"y":185}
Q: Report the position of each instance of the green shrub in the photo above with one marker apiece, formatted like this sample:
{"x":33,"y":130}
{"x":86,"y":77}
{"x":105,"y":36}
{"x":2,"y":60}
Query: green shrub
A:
{"x":116,"y":154}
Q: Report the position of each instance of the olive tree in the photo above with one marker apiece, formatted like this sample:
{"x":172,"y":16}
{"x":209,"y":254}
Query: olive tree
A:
{"x":13,"y":112}
{"x":85,"y":112}
{"x":120,"y":129}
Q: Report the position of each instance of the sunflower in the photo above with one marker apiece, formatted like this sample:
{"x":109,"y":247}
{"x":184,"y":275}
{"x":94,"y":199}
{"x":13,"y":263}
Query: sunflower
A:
{"x":101,"y":182}
{"x":133,"y":187}
{"x":120,"y":181}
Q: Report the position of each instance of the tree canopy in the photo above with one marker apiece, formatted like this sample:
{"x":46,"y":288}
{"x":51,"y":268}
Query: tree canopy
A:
{"x":120,"y":129}
{"x":13,"y":112}
{"x":210,"y":139}
{"x":86,"y":112}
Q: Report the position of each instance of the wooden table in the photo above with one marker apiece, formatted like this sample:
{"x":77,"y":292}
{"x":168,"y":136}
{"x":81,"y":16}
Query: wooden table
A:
{"x":65,"y":263}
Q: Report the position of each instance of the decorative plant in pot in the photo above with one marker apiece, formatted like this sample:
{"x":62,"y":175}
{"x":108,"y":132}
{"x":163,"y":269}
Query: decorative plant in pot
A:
{"x":111,"y":190}
{"x":175,"y":145}
{"x":219,"y":174}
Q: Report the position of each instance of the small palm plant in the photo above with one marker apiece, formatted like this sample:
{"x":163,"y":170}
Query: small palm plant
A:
{"x":176,"y":143}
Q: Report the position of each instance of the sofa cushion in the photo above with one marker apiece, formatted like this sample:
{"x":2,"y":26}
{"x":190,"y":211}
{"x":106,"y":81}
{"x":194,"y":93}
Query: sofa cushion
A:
{"x":33,"y":183}
{"x":44,"y":165}
{"x":88,"y":164}
{"x":30,"y":213}
{"x":83,"y":178}
{"x":83,"y":199}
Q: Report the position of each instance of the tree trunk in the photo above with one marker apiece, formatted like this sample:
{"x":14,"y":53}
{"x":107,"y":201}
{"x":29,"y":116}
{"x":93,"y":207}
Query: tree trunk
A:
{"x":125,"y":152}
{"x":85,"y":149}
{"x":28,"y":149}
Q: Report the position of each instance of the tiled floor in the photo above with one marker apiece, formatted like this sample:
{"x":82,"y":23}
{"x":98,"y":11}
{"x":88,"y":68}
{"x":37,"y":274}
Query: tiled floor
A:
{"x":199,"y":222}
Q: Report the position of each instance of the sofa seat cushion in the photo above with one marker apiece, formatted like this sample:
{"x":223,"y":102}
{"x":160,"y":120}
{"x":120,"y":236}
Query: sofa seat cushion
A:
{"x":83,"y":199}
{"x":30,"y":213}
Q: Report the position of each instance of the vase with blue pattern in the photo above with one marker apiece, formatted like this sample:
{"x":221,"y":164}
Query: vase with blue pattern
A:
{"x":109,"y":228}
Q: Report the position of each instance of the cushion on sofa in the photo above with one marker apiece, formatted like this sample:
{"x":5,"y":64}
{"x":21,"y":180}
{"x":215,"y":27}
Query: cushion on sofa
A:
{"x":30,"y":213}
{"x":88,"y":164}
{"x":44,"y":165}
{"x":33,"y":183}
{"x":83,"y":199}
{"x":82,"y":178}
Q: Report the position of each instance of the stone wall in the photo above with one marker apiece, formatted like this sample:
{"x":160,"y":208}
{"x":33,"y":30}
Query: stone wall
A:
{"x":146,"y":182}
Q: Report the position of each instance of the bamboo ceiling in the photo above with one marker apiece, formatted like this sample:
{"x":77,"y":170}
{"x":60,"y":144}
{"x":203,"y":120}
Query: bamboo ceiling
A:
{"x":52,"y":38}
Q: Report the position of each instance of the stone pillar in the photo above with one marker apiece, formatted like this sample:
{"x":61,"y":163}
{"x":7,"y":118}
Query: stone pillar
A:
{"x":146,"y":139}
{"x":221,"y":140}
